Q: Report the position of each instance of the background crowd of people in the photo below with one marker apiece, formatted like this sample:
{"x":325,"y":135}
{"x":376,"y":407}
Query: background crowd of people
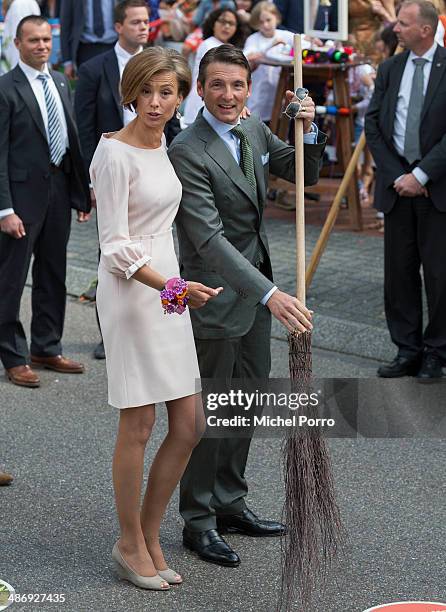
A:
{"x":195,"y":26}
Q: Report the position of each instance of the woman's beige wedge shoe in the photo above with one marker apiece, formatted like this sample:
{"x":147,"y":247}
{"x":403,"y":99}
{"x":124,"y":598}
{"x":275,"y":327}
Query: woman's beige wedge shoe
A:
{"x":125,"y":572}
{"x":170,"y":576}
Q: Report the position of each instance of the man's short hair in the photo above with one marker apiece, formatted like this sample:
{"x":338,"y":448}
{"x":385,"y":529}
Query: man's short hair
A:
{"x":37,"y":19}
{"x":120,"y":10}
{"x":428,"y":14}
{"x":224,"y":54}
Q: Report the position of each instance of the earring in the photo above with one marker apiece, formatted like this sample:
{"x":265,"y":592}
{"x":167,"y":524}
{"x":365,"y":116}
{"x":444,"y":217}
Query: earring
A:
{"x":178,"y":115}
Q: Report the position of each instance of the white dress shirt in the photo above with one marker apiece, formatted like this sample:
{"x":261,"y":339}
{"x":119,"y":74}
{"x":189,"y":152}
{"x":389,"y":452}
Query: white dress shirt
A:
{"x":123,"y":57}
{"x":399,"y":129}
{"x":233,"y":144}
{"x":37,"y":87}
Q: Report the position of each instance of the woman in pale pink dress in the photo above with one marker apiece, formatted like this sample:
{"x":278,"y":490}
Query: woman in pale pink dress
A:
{"x":150,"y":355}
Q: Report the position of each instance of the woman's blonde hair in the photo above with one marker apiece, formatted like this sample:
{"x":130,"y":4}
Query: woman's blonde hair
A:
{"x":254,"y":22}
{"x":142,"y":67}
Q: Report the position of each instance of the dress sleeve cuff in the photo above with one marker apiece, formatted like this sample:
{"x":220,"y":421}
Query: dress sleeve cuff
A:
{"x":420,"y":175}
{"x":136,"y":266}
{"x":266,"y":297}
{"x":5,"y":212}
{"x":311,"y":137}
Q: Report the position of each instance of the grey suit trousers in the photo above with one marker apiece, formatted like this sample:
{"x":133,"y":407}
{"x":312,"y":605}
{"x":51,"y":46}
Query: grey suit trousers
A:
{"x":214,"y":481}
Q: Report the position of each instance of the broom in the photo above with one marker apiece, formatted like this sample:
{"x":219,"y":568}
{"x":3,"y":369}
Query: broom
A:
{"x":314,"y":529}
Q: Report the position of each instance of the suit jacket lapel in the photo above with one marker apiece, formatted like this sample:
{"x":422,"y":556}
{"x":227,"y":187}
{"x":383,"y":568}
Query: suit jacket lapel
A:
{"x":438,"y":66}
{"x":27,"y":94}
{"x":395,"y":77}
{"x":220,"y":153}
{"x":111,"y":69}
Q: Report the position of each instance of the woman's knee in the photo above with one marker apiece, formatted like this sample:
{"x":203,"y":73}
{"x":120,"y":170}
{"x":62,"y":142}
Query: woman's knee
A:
{"x":186,"y":420}
{"x":138,"y":424}
{"x":188,"y":435}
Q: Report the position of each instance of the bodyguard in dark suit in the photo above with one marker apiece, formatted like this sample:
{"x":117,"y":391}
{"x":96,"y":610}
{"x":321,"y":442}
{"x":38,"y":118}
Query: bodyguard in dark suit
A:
{"x":406,"y":132}
{"x":223,"y":165}
{"x":97,"y":101}
{"x":86,"y":30}
{"x":41,"y":178}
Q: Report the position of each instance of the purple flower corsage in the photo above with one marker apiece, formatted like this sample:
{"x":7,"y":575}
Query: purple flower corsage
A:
{"x":174,"y":296}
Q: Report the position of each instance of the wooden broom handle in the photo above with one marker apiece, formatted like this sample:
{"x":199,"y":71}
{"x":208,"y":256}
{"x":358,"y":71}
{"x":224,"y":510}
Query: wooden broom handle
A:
{"x":300,"y":203}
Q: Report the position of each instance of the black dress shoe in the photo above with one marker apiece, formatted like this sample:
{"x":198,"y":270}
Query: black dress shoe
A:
{"x":400,"y":366}
{"x":210,"y":546}
{"x":430,"y":370}
{"x":99,"y":352}
{"x":249,"y":524}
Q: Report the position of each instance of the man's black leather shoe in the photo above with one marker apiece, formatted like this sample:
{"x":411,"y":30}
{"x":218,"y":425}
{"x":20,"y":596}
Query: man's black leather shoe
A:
{"x":210,"y":546}
{"x":249,"y":524}
{"x":400,"y":366}
{"x":430,"y":370}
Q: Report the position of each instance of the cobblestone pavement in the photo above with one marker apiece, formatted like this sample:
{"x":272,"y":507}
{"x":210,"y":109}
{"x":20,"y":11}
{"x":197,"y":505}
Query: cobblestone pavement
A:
{"x":346,"y":293}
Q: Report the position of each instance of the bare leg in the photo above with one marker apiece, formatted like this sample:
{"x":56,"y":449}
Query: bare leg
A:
{"x":186,"y":426}
{"x":135,"y":427}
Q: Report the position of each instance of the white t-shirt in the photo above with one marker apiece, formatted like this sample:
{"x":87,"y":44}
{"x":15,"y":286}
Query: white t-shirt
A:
{"x":16,"y":12}
{"x":264,"y":78}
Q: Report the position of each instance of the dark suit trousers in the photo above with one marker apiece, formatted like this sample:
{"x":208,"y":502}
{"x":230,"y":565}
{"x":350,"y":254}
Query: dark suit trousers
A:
{"x":415,"y":237}
{"x":47,"y":241}
{"x":214,"y":480}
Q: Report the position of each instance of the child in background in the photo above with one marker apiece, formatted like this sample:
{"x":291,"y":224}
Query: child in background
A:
{"x":265,"y":17}
{"x":221,"y":27}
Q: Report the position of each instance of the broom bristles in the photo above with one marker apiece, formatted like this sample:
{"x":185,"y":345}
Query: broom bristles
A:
{"x":314,"y":527}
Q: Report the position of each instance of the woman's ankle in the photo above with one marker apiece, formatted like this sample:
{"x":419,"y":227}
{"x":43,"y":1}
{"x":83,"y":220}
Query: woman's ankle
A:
{"x":131,"y":542}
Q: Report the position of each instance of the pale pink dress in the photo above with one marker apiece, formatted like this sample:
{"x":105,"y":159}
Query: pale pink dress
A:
{"x":150,"y":356}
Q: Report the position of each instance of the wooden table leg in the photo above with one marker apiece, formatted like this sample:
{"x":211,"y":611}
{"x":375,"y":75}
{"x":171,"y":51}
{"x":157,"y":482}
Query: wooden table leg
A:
{"x":345,"y":137}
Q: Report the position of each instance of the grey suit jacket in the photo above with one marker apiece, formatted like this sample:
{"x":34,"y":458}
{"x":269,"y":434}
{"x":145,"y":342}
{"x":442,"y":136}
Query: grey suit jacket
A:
{"x":220,"y":224}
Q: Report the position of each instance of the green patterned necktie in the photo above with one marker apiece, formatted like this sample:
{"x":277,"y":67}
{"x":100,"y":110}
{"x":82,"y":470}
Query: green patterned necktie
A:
{"x":246,"y":157}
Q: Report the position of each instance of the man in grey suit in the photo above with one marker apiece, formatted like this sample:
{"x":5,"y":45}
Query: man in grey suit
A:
{"x":223,"y":165}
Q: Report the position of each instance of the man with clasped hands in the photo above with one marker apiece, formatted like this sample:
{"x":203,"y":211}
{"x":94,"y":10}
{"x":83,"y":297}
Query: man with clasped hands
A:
{"x":406,"y":132}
